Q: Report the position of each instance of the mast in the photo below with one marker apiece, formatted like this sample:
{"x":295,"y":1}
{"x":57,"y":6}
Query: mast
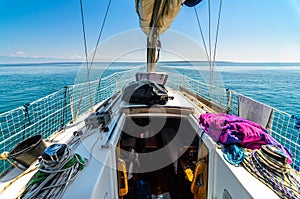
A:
{"x":151,"y":50}
{"x":153,"y":36}
{"x":155,"y":17}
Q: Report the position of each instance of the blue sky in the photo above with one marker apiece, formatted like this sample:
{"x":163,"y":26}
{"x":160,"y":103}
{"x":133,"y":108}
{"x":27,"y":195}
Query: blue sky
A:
{"x":250,"y":30}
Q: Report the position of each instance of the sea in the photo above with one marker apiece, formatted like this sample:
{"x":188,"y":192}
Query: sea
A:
{"x":275,"y":84}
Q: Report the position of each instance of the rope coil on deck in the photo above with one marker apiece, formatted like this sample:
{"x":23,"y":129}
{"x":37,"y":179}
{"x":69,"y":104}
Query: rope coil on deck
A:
{"x":281,"y":178}
{"x":233,"y":154}
{"x":53,"y":176}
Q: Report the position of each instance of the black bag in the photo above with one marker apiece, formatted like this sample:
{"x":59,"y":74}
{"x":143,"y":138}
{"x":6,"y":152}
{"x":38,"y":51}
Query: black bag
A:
{"x":145,"y":92}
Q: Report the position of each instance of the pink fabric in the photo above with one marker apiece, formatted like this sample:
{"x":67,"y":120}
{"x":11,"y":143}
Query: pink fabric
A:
{"x":229,"y":129}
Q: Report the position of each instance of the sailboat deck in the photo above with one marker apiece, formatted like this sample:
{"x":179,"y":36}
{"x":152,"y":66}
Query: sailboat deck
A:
{"x":99,"y":179}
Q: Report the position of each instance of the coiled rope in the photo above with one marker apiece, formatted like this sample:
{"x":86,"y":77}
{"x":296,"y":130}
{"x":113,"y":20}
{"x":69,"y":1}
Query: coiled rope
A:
{"x":52,"y":177}
{"x":233,"y":154}
{"x":281,"y":178}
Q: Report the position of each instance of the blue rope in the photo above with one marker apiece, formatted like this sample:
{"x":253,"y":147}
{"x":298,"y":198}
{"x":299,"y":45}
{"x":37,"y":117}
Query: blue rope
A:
{"x":233,"y":154}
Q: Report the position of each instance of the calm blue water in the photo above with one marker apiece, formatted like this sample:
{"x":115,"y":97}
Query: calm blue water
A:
{"x":274,"y":84}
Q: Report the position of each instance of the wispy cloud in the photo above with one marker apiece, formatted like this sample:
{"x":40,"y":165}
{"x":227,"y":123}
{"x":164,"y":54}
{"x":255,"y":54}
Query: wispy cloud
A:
{"x":19,"y":53}
{"x":76,"y":57}
{"x":21,"y":56}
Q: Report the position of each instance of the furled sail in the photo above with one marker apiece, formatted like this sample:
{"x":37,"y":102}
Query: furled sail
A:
{"x":155,"y":17}
{"x":157,"y":13}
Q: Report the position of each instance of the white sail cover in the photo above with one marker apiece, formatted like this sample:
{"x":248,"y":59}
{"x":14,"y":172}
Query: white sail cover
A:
{"x":157,"y":13}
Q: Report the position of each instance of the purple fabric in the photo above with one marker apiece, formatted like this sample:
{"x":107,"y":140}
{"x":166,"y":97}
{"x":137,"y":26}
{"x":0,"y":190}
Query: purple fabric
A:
{"x":229,"y":129}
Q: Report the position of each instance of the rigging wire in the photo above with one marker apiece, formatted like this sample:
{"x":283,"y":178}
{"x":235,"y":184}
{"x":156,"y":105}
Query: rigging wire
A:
{"x":209,"y":43}
{"x":96,"y":48}
{"x":209,"y":30}
{"x":89,"y":67}
{"x":208,"y":54}
{"x":84,"y":35}
{"x":217,"y":35}
{"x":86,"y":57}
{"x":100,"y":34}
{"x":201,"y":32}
{"x":211,"y":58}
